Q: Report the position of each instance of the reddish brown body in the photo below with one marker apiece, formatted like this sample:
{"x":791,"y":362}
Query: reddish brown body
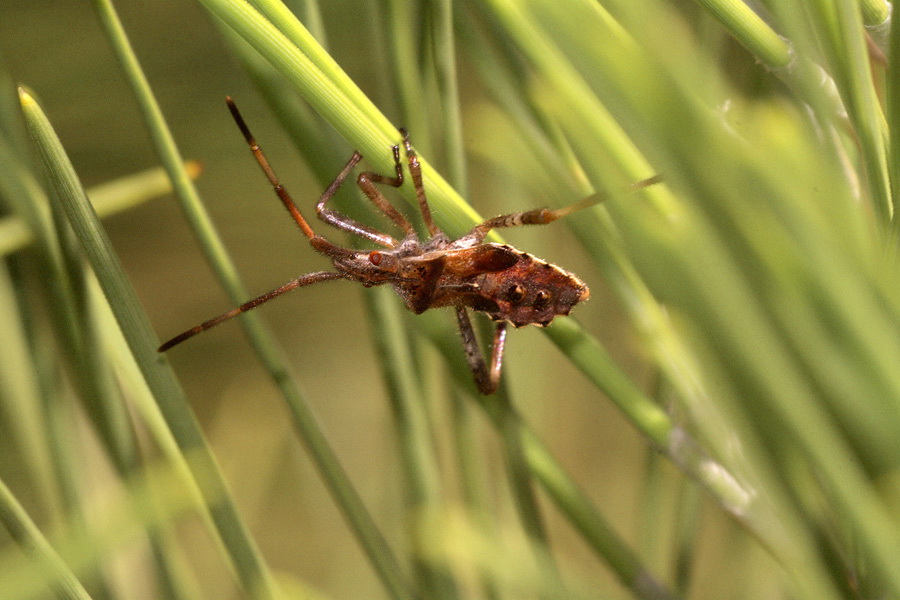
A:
{"x":502,"y":282}
{"x":507,"y":285}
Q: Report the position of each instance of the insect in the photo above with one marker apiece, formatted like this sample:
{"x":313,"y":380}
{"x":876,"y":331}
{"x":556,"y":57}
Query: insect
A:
{"x":507,"y":285}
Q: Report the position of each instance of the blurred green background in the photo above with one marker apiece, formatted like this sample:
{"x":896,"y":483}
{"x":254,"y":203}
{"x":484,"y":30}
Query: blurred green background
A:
{"x":59,"y":51}
{"x":750,"y":301}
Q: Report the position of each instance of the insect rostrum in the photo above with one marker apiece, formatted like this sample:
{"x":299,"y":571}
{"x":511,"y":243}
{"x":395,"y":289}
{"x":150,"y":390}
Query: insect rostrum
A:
{"x":507,"y":285}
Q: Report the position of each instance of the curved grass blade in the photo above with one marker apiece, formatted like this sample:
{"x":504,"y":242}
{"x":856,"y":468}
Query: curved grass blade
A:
{"x":70,"y":197}
{"x":263,"y":342}
{"x":23,"y":530}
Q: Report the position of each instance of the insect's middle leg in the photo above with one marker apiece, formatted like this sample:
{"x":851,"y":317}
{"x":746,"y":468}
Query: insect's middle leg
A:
{"x":487,"y":379}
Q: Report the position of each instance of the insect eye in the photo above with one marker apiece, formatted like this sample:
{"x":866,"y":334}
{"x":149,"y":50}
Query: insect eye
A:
{"x":515,"y":293}
{"x":375,"y":257}
{"x":541,"y":299}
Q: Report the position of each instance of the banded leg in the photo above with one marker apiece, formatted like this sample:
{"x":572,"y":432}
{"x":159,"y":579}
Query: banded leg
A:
{"x":303,"y":280}
{"x":543,"y":216}
{"x":280,"y":190}
{"x":366,"y":182}
{"x":487,"y":379}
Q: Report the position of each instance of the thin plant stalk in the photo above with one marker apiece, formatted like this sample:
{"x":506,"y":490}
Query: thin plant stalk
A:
{"x":423,"y":486}
{"x":23,"y":530}
{"x":750,"y":30}
{"x":263,"y":342}
{"x":68,"y":193}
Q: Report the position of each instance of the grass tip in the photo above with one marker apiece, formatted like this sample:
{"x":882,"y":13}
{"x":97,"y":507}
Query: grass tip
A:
{"x":26,"y":97}
{"x":194,"y":168}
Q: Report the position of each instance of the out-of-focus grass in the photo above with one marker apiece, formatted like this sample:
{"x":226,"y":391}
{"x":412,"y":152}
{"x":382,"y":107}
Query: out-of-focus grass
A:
{"x":744,"y":315}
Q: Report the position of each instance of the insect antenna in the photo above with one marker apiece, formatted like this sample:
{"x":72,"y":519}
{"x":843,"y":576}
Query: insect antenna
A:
{"x":279,"y":188}
{"x":303,"y":280}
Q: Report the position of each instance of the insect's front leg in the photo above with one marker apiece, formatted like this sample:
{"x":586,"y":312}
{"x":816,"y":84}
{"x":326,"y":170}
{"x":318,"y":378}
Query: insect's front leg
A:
{"x":366,"y":182}
{"x":341,"y":221}
{"x":415,"y":170}
{"x":487,"y":379}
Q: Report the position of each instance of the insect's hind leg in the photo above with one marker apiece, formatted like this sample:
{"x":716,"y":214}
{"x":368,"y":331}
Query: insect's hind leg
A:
{"x":540,"y":216}
{"x":543,"y":216}
{"x":486,"y":378}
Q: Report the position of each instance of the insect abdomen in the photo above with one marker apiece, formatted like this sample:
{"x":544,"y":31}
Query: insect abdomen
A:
{"x":531,"y":292}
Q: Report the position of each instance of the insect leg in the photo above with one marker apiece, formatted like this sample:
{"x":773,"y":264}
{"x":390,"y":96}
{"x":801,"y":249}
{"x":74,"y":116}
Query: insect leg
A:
{"x":308,"y":279}
{"x":543,"y":216}
{"x":366,"y":182}
{"x":341,"y":221}
{"x":486,"y":379}
{"x":415,"y":170}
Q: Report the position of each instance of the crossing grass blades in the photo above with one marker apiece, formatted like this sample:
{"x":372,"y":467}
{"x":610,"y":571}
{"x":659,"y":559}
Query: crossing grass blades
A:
{"x":508,"y":285}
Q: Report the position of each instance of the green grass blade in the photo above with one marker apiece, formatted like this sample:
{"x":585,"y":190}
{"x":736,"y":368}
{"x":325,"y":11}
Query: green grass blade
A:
{"x":424,"y":490}
{"x":448,"y":90}
{"x":751,"y":31}
{"x":142,"y":342}
{"x":892,"y":112}
{"x":108,"y":199}
{"x":20,"y":387}
{"x":874,"y":12}
{"x":540,"y":466}
{"x":124,"y":521}
{"x":28,"y":536}
{"x":262,"y":341}
{"x":572,"y":502}
{"x":351,"y":113}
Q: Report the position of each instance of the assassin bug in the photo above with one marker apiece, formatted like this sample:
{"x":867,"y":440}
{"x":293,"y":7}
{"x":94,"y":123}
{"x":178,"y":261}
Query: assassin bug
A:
{"x":508,"y":285}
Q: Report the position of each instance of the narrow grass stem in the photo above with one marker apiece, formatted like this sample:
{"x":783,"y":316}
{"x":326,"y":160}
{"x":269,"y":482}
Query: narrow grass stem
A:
{"x":142,"y":342}
{"x":263,"y":342}
{"x":473,"y":491}
{"x":23,"y":530}
{"x":448,"y":88}
{"x":404,"y":45}
{"x":423,"y":487}
{"x":108,"y":199}
{"x":750,"y":31}
{"x":22,"y":387}
{"x":540,"y":466}
{"x":892,"y":110}
{"x":573,"y":503}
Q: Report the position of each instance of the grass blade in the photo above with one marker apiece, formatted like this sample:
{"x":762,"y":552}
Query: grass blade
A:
{"x":142,"y":342}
